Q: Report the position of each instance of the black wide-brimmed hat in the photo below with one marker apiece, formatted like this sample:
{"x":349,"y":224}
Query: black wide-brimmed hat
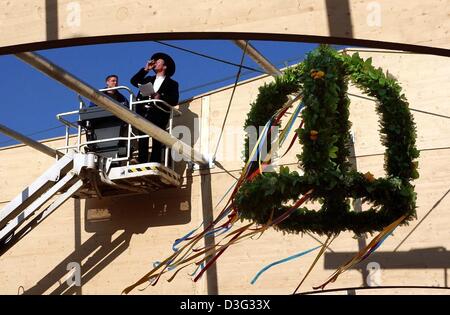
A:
{"x":168,"y":61}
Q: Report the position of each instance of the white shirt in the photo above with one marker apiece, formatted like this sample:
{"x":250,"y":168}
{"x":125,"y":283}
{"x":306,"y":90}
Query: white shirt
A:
{"x":158,"y":81}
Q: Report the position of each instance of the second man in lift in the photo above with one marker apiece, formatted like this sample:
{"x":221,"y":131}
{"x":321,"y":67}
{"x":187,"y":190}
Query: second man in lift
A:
{"x":165,"y":89}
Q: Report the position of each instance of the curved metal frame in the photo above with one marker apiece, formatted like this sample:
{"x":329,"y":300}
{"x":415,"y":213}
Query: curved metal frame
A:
{"x":400,"y":25}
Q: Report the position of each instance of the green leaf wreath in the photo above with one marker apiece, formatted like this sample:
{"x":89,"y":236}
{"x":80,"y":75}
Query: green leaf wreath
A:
{"x":322,"y":80}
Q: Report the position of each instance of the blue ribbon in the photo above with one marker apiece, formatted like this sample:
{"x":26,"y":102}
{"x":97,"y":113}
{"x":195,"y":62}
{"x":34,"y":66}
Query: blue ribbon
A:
{"x":178,"y":241}
{"x":201,"y":266}
{"x":282,"y":261}
{"x":297,"y":111}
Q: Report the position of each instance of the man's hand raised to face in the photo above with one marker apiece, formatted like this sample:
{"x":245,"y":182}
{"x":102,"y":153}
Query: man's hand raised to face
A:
{"x":150,"y":65}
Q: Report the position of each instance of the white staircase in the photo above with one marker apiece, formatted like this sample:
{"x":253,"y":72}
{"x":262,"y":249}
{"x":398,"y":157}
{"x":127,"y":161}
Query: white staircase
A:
{"x":77,"y":175}
{"x":60,"y":178}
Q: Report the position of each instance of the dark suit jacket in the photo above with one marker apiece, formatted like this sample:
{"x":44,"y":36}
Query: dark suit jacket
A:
{"x":168,"y":90}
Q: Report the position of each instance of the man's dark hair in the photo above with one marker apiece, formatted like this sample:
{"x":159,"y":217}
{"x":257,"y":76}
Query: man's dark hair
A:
{"x":112,"y":76}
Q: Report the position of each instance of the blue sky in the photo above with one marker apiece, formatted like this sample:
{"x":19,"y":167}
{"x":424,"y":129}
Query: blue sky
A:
{"x":30,"y":100}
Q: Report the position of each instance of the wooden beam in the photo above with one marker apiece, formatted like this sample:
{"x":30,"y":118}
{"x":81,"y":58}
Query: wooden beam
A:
{"x":415,"y":25}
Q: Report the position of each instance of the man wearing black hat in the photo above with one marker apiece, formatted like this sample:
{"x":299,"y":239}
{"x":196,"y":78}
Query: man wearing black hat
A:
{"x":165,"y":89}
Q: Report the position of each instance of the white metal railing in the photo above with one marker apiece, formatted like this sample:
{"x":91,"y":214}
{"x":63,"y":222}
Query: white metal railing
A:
{"x":160,"y":104}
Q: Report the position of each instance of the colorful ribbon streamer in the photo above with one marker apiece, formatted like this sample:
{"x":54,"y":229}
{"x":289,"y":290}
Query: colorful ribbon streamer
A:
{"x":281,"y":262}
